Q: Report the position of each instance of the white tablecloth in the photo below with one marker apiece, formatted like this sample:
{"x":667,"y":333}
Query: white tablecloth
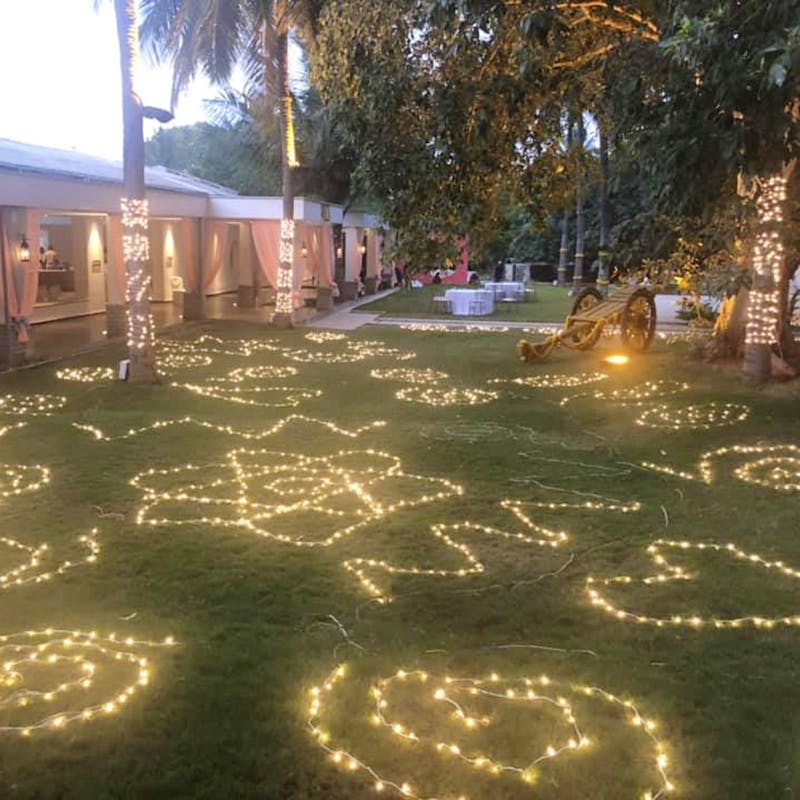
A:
{"x":506,"y":290}
{"x":466,"y":302}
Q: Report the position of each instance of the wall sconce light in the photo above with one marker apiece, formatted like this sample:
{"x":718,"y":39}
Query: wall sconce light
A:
{"x":339,"y":252}
{"x":362,"y":248}
{"x":24,"y":250}
{"x":303,"y":250}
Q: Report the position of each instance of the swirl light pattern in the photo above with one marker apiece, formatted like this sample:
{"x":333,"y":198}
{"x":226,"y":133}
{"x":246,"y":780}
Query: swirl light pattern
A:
{"x":74,"y":659}
{"x":451,"y":537}
{"x":401,"y":375}
{"x":634,"y":395}
{"x":86,"y":374}
{"x":31,"y":405}
{"x":320,"y":337}
{"x":263,"y":396}
{"x":701,"y":416}
{"x":777,"y":469}
{"x":101,"y":436}
{"x":457,"y":704}
{"x":354,"y":352}
{"x":669,"y":573}
{"x":304,"y":501}
{"x":441,"y":397}
{"x":35,"y":569}
{"x":555,"y":381}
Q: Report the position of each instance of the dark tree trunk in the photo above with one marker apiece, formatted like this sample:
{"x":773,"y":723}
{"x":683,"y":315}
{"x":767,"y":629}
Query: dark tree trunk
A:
{"x":580,"y":216}
{"x":604,"y":255}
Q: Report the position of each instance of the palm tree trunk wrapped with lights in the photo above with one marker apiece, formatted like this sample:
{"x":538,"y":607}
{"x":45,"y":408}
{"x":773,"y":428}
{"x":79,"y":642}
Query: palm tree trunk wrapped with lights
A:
{"x":284,"y":302}
{"x":135,"y":243}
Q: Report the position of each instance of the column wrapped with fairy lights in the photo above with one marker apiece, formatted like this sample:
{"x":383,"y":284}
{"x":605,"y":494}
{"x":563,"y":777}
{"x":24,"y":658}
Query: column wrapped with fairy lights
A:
{"x":284,"y":301}
{"x":768,"y":255}
{"x":136,"y":252}
{"x":135,"y":244}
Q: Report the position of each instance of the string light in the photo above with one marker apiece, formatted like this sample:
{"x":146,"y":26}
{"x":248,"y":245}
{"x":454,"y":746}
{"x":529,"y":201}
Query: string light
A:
{"x":273,"y":430}
{"x":441,"y":397}
{"x":32,"y":405}
{"x":763,"y":310}
{"x":670,"y":573}
{"x":25,"y":656}
{"x":340,"y":491}
{"x":409,"y":375}
{"x":458,"y":695}
{"x":702,"y":416}
{"x":136,"y":253}
{"x":181,"y":355}
{"x":30,"y":572}
{"x":86,"y":374}
{"x":284,"y":396}
{"x":283,"y":298}
{"x":227,"y":347}
{"x":17,"y":479}
{"x":555,"y":381}
{"x":354,"y":352}
{"x":633,"y":395}
{"x":778,"y":468}
{"x":451,"y":537}
{"x":321,"y":337}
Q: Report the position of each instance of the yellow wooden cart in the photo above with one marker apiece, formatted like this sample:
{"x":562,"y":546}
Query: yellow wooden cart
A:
{"x":632,"y":308}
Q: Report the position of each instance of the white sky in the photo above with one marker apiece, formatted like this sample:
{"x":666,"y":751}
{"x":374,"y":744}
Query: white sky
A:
{"x":60,"y":78}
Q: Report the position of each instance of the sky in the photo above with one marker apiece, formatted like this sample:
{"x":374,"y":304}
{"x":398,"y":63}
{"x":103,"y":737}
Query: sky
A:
{"x":60,"y":84}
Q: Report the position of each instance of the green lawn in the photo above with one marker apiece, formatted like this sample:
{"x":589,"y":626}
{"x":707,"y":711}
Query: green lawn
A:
{"x":552,"y":304}
{"x":257,"y":619}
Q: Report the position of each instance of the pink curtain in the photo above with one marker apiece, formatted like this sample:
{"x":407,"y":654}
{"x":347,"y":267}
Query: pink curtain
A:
{"x":189,"y":255}
{"x":22,"y":280}
{"x":267,"y":239}
{"x":325,"y":261}
{"x":117,"y":277}
{"x":215,"y":253}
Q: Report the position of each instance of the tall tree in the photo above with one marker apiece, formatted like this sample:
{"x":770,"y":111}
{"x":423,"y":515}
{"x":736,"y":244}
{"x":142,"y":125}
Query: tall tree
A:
{"x":141,"y":328}
{"x":218,"y":35}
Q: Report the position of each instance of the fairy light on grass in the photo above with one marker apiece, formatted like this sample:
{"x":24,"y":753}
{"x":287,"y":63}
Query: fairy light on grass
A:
{"x":35,"y":569}
{"x":778,"y":467}
{"x":414,"y":376}
{"x":700,"y":416}
{"x":451,"y":536}
{"x":555,"y":381}
{"x":285,"y":497}
{"x":77,"y":660}
{"x":668,"y":573}
{"x":633,"y":395}
{"x":441,"y":397}
{"x":31,"y":405}
{"x":462,"y":697}
{"x":86,"y":374}
{"x":273,"y":430}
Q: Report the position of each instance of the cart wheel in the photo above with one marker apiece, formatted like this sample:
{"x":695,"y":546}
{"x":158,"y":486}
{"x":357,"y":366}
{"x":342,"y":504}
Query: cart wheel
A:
{"x":587,"y":297}
{"x":638,"y":321}
{"x":584,"y":335}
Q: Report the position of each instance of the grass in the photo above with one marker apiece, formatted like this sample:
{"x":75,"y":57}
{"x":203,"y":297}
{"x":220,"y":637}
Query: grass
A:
{"x":552,"y":304}
{"x":224,"y":714}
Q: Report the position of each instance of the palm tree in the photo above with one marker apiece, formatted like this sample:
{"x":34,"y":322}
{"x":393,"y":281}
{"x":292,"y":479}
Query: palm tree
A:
{"x":217,"y":35}
{"x":141,"y":329}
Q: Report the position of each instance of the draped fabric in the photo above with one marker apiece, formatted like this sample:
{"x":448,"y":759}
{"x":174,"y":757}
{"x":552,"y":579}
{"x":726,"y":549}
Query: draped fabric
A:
{"x":117,"y":277}
{"x":189,"y":256}
{"x":267,"y":239}
{"x":326,"y":262}
{"x":21,"y":280}
{"x":216,"y":251}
